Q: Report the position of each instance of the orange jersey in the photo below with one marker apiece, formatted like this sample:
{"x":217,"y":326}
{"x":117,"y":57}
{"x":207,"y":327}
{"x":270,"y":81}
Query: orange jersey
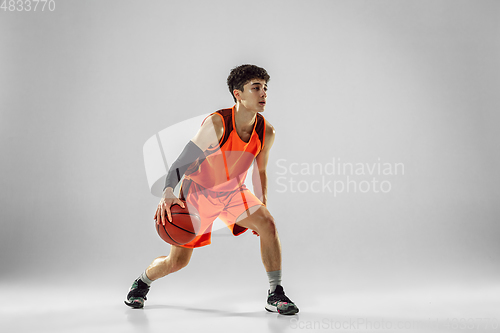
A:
{"x":225,"y":166}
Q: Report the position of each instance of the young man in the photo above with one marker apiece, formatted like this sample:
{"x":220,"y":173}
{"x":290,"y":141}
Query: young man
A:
{"x":215,"y":163}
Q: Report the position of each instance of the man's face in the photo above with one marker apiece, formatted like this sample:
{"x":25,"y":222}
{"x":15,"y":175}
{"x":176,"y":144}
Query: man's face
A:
{"x":254,"y":95}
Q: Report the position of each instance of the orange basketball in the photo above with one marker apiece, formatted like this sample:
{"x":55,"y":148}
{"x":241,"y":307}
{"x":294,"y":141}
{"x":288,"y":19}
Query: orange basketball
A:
{"x":184,"y":227}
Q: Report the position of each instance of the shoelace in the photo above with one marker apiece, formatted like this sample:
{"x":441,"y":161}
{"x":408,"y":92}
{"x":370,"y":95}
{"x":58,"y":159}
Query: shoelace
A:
{"x":138,"y":293}
{"x":279,"y":298}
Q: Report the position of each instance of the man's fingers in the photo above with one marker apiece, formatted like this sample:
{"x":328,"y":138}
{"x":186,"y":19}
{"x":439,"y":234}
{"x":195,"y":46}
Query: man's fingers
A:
{"x":162,"y":212}
{"x":169,"y":214}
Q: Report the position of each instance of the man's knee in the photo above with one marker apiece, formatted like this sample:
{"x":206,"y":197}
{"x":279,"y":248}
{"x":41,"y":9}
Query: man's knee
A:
{"x":179,"y":263}
{"x":179,"y":258}
{"x":266,"y":224}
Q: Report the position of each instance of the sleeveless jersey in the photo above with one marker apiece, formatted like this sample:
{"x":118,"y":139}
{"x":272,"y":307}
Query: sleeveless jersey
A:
{"x":225,"y":166}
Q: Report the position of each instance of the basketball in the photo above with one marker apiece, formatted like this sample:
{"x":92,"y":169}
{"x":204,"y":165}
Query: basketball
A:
{"x":184,"y":226}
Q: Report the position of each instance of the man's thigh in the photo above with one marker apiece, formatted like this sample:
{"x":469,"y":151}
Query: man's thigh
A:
{"x":242,"y":204}
{"x":181,"y":254}
{"x":253,"y":217}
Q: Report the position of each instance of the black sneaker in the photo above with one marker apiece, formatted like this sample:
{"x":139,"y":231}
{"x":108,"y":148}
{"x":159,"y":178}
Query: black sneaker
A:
{"x":278,"y":302}
{"x":137,"y":294}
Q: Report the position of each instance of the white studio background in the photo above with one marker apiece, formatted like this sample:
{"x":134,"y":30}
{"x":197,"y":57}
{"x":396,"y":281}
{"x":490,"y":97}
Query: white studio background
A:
{"x":411,"y":82}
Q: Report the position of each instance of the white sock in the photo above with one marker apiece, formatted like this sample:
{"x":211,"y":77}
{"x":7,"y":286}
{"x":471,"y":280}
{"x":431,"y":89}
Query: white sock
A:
{"x":145,"y":278}
{"x":274,"y":279}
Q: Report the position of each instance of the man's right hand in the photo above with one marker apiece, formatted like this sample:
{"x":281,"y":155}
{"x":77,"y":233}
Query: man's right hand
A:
{"x":169,"y":199}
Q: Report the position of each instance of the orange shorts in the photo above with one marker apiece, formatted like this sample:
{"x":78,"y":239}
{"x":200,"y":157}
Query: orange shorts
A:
{"x":227,"y":206}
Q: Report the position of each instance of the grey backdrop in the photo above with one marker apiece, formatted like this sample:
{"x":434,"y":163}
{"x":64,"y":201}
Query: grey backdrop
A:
{"x":412,"y":82}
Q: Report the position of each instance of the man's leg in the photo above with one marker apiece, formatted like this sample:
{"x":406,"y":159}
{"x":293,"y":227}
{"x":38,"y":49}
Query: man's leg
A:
{"x":261,"y":221}
{"x":178,"y":258}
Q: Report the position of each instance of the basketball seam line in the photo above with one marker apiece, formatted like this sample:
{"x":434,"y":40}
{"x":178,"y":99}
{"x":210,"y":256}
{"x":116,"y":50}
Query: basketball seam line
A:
{"x":166,"y":232}
{"x":175,"y":225}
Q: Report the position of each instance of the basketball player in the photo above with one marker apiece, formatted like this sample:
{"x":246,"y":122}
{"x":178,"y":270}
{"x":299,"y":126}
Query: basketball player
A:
{"x":214,"y":164}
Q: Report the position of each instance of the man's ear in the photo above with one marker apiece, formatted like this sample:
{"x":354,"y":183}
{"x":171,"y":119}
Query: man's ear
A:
{"x":236,"y":94}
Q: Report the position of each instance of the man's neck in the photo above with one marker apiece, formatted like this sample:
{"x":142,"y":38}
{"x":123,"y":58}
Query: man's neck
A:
{"x":244,"y":118}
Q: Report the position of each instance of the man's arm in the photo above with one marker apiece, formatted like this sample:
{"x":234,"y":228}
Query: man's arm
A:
{"x":208,"y":135}
{"x":210,"y":132}
{"x":259,"y":175}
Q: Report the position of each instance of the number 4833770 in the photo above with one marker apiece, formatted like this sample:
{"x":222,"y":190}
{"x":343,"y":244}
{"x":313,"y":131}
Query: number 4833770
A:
{"x":28,"y":5}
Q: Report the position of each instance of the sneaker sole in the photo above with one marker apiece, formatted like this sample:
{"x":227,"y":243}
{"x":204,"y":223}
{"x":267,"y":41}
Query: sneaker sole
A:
{"x":272,"y":308}
{"x":134,"y":305}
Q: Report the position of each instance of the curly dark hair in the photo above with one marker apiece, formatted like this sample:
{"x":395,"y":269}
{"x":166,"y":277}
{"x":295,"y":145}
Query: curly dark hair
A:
{"x":241,"y":75}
